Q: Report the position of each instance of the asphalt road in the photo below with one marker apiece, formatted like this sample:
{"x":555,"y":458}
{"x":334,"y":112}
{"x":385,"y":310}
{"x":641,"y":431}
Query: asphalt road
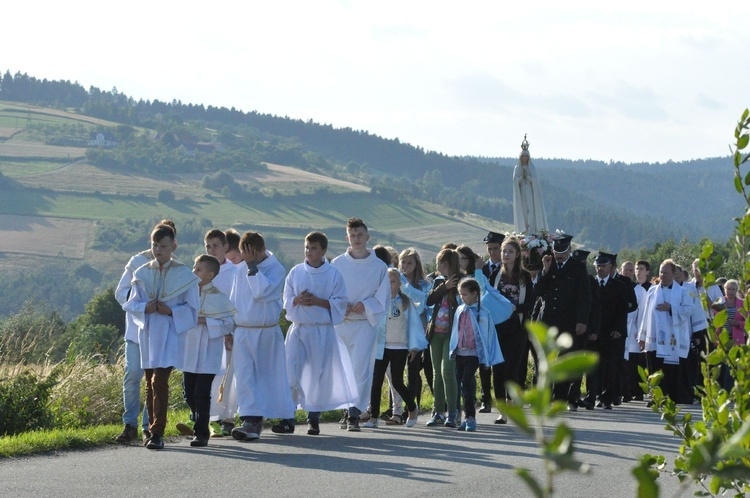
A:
{"x":384,"y":462}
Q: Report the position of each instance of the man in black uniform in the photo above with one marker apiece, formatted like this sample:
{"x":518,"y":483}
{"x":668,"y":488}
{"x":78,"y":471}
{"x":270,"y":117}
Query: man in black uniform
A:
{"x":582,"y":342}
{"x":609,"y":339}
{"x":566,"y":296}
{"x":491,"y":270}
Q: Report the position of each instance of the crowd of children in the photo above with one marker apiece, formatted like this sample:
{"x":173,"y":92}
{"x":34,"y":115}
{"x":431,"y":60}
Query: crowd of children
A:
{"x":363,"y":316}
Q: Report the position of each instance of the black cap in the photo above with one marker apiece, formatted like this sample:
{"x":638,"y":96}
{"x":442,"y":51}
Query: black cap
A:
{"x":494,"y":237}
{"x":581,"y":255}
{"x":562,"y":242}
{"x":604,"y":258}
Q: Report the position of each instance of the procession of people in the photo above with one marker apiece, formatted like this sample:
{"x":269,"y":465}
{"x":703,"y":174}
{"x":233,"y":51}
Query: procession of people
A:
{"x":372,"y":313}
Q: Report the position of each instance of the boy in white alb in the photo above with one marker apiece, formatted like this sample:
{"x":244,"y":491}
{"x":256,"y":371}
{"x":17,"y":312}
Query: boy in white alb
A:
{"x":318,"y":364}
{"x":202,"y":346}
{"x":368,"y":291}
{"x":164,"y":302}
{"x":222,"y":410}
{"x":131,"y":382}
{"x":258,"y":352}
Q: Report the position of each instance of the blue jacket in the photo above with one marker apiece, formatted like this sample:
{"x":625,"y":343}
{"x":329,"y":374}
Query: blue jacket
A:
{"x":415,"y":331}
{"x":498,"y":305}
{"x":488,"y":347}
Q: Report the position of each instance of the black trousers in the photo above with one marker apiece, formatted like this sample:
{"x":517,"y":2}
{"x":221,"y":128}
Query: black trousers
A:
{"x":397,"y":359}
{"x":196,"y":389}
{"x":513,"y":341}
{"x":466,"y":371}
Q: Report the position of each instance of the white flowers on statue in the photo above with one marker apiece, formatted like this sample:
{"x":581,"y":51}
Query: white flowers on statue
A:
{"x":529,"y":215}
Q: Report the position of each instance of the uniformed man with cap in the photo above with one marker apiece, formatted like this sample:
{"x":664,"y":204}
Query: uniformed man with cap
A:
{"x":491,"y":270}
{"x":566,"y":301}
{"x":582,"y":342}
{"x":609,"y":339}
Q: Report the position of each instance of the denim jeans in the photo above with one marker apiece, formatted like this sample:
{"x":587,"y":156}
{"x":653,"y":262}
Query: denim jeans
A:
{"x":131,"y":387}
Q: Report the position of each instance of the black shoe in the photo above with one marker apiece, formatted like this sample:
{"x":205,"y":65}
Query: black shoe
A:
{"x":617,"y":401}
{"x":283,"y":427}
{"x":584,"y":403}
{"x":155,"y":443}
{"x":572,"y":407}
{"x":313,"y":427}
{"x":486,"y":407}
{"x":600,"y":404}
{"x":199,"y":441}
{"x":353,"y":424}
{"x":608,"y":406}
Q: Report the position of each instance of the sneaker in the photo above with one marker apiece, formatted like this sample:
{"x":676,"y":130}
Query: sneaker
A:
{"x":462,"y":427}
{"x":247,"y":431}
{"x":313,"y":427}
{"x":502,"y":419}
{"x":199,"y":441}
{"x":437,"y":419}
{"x":184,"y":429}
{"x":458,"y":417}
{"x":216,"y":429}
{"x":129,"y":433}
{"x":413,"y":418}
{"x":227,"y":428}
{"x":470,"y":424}
{"x":145,"y":436}
{"x":155,"y":443}
{"x":344,"y":422}
{"x":371,"y":424}
{"x":451,"y":421}
{"x":283,"y":427}
{"x":353,"y":424}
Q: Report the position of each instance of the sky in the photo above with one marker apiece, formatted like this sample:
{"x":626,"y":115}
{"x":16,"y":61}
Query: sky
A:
{"x":627,"y":81}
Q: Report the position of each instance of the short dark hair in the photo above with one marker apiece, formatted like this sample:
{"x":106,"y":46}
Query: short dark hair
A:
{"x":382,"y":253}
{"x":233,"y":239}
{"x":215,"y":233}
{"x":319,"y":238}
{"x":162,"y":231}
{"x":642,"y":262}
{"x":169,"y":223}
{"x":213,"y":264}
{"x":355,"y":223}
{"x":254,"y":240}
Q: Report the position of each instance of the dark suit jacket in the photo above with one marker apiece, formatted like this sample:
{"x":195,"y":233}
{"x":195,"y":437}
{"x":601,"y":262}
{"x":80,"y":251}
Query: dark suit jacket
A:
{"x":566,"y":296}
{"x":491,"y":276}
{"x":630,"y":286}
{"x":613,"y":299}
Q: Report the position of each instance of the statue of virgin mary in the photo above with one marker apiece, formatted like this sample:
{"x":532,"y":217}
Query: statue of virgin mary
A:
{"x":529,"y":215}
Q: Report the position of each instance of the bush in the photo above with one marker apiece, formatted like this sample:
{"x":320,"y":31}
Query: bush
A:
{"x":24,"y":403}
{"x":165,"y":195}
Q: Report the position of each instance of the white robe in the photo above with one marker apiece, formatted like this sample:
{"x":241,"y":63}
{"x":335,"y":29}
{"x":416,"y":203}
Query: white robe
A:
{"x":202,"y":346}
{"x":667,"y":333}
{"x":227,"y":407}
{"x":258,"y":353}
{"x":318,"y":363}
{"x":635,"y":318}
{"x":529,"y":215}
{"x":177,"y":287}
{"x":366,"y":281}
{"x":122,"y":292}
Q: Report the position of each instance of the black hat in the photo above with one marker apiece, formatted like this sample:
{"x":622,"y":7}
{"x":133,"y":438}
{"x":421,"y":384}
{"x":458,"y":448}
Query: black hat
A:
{"x":494,"y":237}
{"x":581,"y":255}
{"x":604,"y":258}
{"x":562,"y":242}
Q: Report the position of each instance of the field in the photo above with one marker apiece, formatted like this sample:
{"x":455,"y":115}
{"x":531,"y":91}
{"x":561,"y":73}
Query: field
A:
{"x":44,"y":236}
{"x":62,"y":197}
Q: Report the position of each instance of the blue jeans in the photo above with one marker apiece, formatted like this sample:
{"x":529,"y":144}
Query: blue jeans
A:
{"x":131,"y":386}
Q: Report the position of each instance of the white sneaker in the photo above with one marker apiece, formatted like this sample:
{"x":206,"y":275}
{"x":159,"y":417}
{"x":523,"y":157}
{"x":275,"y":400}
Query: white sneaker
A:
{"x":371,"y":424}
{"x":412,"y":420}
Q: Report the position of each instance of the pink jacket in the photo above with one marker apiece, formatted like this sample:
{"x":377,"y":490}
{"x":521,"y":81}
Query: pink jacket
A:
{"x":738,"y":331}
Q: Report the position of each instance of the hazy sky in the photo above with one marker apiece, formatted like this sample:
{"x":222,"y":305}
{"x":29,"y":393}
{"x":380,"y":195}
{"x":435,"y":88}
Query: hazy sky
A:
{"x":628,"y":81}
